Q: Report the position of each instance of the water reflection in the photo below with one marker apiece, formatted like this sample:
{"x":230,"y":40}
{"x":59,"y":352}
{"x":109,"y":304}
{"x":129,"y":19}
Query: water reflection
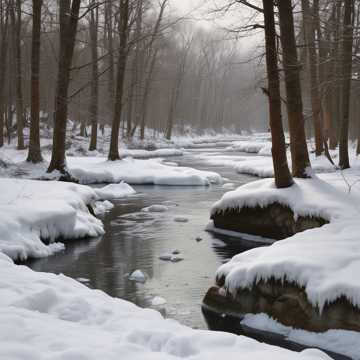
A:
{"x":135,"y":239}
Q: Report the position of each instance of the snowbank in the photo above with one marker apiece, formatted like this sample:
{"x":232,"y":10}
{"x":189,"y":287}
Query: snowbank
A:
{"x":36,"y":213}
{"x":322,"y":260}
{"x":338,"y":341}
{"x":52,"y":317}
{"x":251,"y":147}
{"x":90,"y":170}
{"x":32,"y":211}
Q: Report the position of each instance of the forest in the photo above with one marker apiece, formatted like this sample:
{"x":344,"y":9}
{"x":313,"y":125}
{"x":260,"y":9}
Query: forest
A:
{"x":179,"y":179}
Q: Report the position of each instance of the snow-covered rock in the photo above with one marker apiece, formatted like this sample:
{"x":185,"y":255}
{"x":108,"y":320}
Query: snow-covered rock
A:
{"x":321,"y":260}
{"x":137,"y":276}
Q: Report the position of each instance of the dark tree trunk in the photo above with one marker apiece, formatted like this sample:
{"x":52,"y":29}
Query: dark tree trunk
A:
{"x":281,"y":170}
{"x":346,"y":85}
{"x":93,"y":28}
{"x":68,"y":26}
{"x":314,"y":77}
{"x":34,"y":154}
{"x":298,"y":146}
{"x":16,"y":27}
{"x":121,"y":67}
{"x":3,"y":55}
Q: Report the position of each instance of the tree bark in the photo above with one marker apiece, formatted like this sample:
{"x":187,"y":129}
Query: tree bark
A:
{"x":281,"y":169}
{"x":94,"y":97}
{"x":34,"y":154}
{"x":68,"y":26}
{"x":346,"y":83}
{"x":121,"y":67}
{"x":309,"y":28}
{"x":3,"y":56}
{"x":298,"y":146}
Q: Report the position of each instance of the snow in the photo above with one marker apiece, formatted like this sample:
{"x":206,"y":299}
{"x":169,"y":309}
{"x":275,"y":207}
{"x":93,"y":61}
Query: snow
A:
{"x":155,"y":208}
{"x":322,"y":260}
{"x":102,"y":207}
{"x":158,"y":301}
{"x":35,"y":212}
{"x":132,"y":171}
{"x":52,"y":317}
{"x":114,"y":191}
{"x":252,"y":147}
{"x":171,"y":257}
{"x":338,"y":341}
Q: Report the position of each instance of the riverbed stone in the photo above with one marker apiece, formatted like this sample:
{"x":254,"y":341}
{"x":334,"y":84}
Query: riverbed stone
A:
{"x":275,"y":221}
{"x":285,"y":302}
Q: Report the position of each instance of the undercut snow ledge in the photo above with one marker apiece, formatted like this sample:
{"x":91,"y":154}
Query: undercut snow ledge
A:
{"x":322,"y":260}
{"x":32,"y":211}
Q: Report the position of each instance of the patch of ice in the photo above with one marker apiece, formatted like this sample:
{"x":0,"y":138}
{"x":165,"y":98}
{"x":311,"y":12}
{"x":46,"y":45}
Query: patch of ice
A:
{"x":155,"y":208}
{"x":181,"y":219}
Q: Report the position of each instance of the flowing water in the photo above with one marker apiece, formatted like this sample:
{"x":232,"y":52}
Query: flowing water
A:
{"x":135,"y":239}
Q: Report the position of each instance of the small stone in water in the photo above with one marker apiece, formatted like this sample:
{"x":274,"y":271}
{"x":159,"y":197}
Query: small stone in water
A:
{"x":176,"y":252}
{"x":157,"y":301}
{"x":138,"y":276}
{"x":198,"y":239}
{"x":181,"y":219}
{"x":83,"y":280}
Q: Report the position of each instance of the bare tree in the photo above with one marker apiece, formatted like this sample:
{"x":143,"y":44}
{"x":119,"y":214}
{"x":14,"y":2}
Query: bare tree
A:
{"x":281,"y":170}
{"x":121,"y":67}
{"x":69,"y":16}
{"x":94,"y":97}
{"x":346,"y":85}
{"x":34,"y":154}
{"x":298,"y":146}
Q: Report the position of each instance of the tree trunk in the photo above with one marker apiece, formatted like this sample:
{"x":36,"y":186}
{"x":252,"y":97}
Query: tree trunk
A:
{"x":3,"y":55}
{"x":298,"y":146}
{"x":68,"y":26}
{"x":308,"y":20}
{"x":121,"y":67}
{"x":281,"y":170}
{"x":346,"y":83}
{"x":34,"y":154}
{"x":16,"y":28}
{"x":93,"y":29}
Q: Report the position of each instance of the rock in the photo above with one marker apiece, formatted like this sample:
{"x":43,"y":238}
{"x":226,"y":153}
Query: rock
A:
{"x":181,"y":219}
{"x":176,"y":252}
{"x":158,"y":301}
{"x":198,"y":239}
{"x":137,"y":276}
{"x":171,"y":257}
{"x":274,"y":221}
{"x":285,"y":302}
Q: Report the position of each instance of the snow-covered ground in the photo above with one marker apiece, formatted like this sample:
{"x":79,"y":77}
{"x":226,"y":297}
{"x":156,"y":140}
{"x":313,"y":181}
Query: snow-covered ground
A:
{"x":96,"y":169}
{"x":338,"y":341}
{"x":47,"y":316}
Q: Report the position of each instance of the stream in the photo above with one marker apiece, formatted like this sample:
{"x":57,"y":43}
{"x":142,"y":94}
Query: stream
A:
{"x":135,"y":239}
